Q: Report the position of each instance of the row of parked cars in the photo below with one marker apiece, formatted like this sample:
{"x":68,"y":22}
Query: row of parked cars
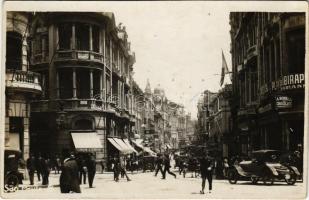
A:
{"x":266,"y":166}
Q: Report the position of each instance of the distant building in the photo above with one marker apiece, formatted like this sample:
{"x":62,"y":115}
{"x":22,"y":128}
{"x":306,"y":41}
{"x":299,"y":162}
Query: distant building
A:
{"x":268,"y":58}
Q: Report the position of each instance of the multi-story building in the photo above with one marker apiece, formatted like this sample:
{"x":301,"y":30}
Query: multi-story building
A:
{"x":21,"y":84}
{"x":268,"y":58}
{"x":86,"y":66}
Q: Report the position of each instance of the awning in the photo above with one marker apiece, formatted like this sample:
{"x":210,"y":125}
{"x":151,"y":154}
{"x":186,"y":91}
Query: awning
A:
{"x":121,"y":145}
{"x":138,"y":143}
{"x":168,"y":146}
{"x":148,"y":150}
{"x":126,"y":149}
{"x":85,"y":141}
{"x":126,"y":141}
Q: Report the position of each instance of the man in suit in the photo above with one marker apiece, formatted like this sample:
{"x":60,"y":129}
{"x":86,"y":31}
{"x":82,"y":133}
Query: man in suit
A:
{"x":206,"y":168}
{"x":31,"y":162}
{"x":167,"y":166}
{"x":69,"y":180}
{"x":159,"y":163}
{"x":91,"y":168}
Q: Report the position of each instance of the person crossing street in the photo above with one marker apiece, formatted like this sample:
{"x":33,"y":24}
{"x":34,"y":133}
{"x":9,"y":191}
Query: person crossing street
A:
{"x":167,"y":166}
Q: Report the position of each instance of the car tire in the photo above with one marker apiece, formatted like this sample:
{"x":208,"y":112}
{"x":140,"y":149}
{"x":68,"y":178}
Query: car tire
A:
{"x":291,"y":180}
{"x":232,"y":176}
{"x":254,"y":180}
{"x":11,"y":181}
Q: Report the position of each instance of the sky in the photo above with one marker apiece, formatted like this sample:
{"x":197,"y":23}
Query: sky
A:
{"x":178,"y":47}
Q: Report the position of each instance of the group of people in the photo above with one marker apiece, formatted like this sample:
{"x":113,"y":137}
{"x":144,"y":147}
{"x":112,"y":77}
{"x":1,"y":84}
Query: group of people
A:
{"x":74,"y":170}
{"x":119,"y":168}
{"x":163,"y":164}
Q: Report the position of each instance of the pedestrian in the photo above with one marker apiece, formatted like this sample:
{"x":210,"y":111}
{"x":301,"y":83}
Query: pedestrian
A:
{"x":44,"y":170}
{"x":225,"y":167}
{"x":206,"y":168}
{"x":123,"y":169}
{"x":91,"y":168}
{"x":167,"y":166}
{"x":31,"y":168}
{"x":82,"y":169}
{"x":102,"y":166}
{"x":38,"y":167}
{"x":69,"y":179}
{"x":57,"y":164}
{"x":159,"y":162}
{"x":116,"y":169}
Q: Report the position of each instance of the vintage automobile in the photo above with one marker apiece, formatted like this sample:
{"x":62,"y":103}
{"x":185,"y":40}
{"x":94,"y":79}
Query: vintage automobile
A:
{"x":14,"y":169}
{"x":264,"y":166}
{"x":149,"y":163}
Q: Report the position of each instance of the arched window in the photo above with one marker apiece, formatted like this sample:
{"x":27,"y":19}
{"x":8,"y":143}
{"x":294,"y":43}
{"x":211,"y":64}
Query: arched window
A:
{"x":83,"y":124}
{"x":13,"y":50}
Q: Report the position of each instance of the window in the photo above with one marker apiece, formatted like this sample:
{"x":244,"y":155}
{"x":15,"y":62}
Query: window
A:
{"x":65,"y":83}
{"x":272,"y":67}
{"x":82,"y":37}
{"x":83,"y":124}
{"x":65,"y":36}
{"x":83,"y":83}
{"x":96,"y":38}
{"x":296,"y":51}
{"x":13,"y":51}
{"x":96,"y":83}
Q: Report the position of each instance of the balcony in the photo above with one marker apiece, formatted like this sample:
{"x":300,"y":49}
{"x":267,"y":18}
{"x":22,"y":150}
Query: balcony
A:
{"x":25,"y":81}
{"x":116,"y":69}
{"x":69,"y":105}
{"x":76,"y":55}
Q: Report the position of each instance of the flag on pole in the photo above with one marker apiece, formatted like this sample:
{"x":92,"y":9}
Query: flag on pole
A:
{"x":224,"y":70}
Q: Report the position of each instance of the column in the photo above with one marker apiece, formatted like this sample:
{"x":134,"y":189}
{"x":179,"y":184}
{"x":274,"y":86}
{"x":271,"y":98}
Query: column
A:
{"x":73,"y":41}
{"x":101,"y":84}
{"x":90,"y":38}
{"x":57,"y":85}
{"x":111,"y":69}
{"x":74,"y":83}
{"x":26,"y":138}
{"x":104,"y":66}
{"x":91,"y":83}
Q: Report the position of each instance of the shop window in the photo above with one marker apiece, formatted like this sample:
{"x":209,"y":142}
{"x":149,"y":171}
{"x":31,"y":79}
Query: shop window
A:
{"x":83,"y":83}
{"x":65,"y":83}
{"x":13,"y":51}
{"x":82,"y":37}
{"x":296,"y":51}
{"x":96,"y":38}
{"x":65,"y":36}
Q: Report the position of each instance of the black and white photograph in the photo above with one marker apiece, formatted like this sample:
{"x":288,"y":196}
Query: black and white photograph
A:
{"x":154,"y":100}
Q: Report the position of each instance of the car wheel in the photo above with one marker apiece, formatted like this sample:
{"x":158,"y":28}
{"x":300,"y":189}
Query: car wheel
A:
{"x":254,"y":180}
{"x":268,"y":181}
{"x":11,"y":181}
{"x":232,"y":176}
{"x":291,"y":180}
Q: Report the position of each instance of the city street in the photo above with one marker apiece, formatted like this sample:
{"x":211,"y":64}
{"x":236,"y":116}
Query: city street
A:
{"x":145,"y":185}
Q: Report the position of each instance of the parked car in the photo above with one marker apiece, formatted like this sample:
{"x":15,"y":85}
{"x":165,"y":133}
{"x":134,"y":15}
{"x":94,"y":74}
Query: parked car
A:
{"x":264,"y":166}
{"x":14,"y":169}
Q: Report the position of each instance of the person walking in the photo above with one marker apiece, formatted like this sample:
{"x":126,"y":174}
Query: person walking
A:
{"x":159,"y":163}
{"x":167,"y":166}
{"x":206,"y":169}
{"x":44,"y":170}
{"x":91,"y":168}
{"x":82,"y":169}
{"x":123,"y":169}
{"x":38,"y":167}
{"x":69,"y":179}
{"x":116,"y":169}
{"x":31,"y":168}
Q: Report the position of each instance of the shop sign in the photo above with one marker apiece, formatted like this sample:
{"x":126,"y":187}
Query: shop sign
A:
{"x":283,"y":102}
{"x":83,"y":102}
{"x":288,"y":82}
{"x":265,"y":108}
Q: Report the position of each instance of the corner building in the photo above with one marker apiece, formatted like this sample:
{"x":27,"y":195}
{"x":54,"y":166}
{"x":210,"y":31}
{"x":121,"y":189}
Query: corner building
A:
{"x":21,"y":84}
{"x":86,"y":67}
{"x":268,"y":57}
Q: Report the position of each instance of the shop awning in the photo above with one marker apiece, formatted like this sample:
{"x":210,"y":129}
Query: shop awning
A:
{"x":115,"y":144}
{"x":126,"y":149}
{"x":138,"y":143}
{"x":148,"y":150}
{"x":126,"y":141}
{"x":89,"y":140}
{"x":168,"y":146}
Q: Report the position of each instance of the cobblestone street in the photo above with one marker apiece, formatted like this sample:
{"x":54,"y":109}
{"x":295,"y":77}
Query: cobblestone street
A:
{"x":145,"y":185}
